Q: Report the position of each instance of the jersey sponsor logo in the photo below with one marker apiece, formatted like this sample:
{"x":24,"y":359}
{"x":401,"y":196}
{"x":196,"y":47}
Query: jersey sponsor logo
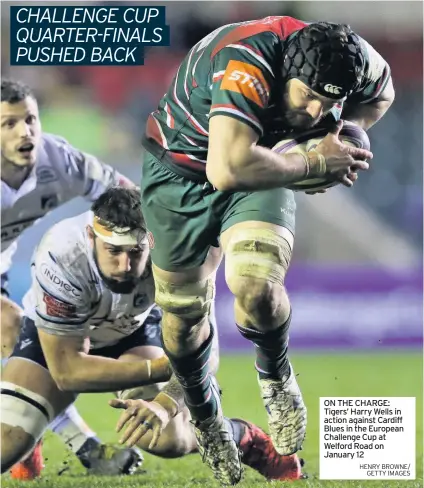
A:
{"x":45,"y":174}
{"x":60,"y":282}
{"x":48,"y":202}
{"x":335,"y":90}
{"x":57,"y":308}
{"x":248,"y":80}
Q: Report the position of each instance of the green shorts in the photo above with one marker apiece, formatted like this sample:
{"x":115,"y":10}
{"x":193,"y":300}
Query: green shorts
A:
{"x":185,"y":218}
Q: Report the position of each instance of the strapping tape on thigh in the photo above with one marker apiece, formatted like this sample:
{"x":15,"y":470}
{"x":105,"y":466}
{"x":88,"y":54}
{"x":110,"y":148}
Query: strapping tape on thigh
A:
{"x":258,"y":253}
{"x":23,"y":408}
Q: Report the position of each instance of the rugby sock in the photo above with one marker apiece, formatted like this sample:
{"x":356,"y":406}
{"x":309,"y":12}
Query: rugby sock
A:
{"x":237,"y":428}
{"x":72,"y":429}
{"x":271,"y":350}
{"x":193,"y":374}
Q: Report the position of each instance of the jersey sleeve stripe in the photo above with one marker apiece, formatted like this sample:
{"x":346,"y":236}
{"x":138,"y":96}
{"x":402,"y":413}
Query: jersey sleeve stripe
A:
{"x":380,"y":87}
{"x":186,"y":75}
{"x":218,"y":75}
{"x":162,"y":135}
{"x":169,"y":118}
{"x":281,"y":26}
{"x":194,"y":67}
{"x":190,"y":140}
{"x":194,"y":122}
{"x":259,"y":58}
{"x":233,"y":111}
{"x":195,"y":159}
{"x":152,"y":130}
{"x":57,"y":320}
{"x":229,"y":105}
{"x":183,"y":159}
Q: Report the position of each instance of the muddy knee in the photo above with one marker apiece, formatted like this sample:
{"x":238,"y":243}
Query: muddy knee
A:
{"x":25,"y":416}
{"x":256,"y":264}
{"x":188,"y":301}
{"x":184,"y":305}
{"x":15,"y":445}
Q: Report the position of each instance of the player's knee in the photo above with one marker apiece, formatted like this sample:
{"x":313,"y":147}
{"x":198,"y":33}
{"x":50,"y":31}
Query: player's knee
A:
{"x":11,"y":316}
{"x":189,"y":301}
{"x":258,"y":297}
{"x":25,"y":416}
{"x":256,"y":264}
{"x":15,"y":445}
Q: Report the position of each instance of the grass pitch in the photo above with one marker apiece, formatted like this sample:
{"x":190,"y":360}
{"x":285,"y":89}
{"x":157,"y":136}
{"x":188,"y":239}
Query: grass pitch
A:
{"x":325,"y":374}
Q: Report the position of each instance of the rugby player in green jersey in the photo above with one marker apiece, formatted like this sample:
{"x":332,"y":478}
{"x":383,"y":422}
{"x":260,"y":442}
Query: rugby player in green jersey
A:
{"x":211,"y":186}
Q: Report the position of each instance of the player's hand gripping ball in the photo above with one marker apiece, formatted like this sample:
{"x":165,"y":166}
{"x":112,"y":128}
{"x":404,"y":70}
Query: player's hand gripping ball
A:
{"x":351,"y":135}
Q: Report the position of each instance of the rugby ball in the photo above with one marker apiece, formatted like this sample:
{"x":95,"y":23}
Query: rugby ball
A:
{"x":351,"y":135}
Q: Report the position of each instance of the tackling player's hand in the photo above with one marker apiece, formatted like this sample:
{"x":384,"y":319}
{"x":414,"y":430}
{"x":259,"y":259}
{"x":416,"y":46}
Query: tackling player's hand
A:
{"x":342,"y":161}
{"x":139,"y":417}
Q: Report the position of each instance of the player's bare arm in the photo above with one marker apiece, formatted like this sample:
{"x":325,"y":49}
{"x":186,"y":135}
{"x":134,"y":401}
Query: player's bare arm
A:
{"x":368,"y":114}
{"x":167,"y":404}
{"x":95,"y":175}
{"x":74,"y":370}
{"x":96,"y":169}
{"x":236,"y":163}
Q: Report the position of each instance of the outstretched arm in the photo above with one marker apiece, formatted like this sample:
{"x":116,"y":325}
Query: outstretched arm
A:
{"x":139,"y":416}
{"x":74,"y":370}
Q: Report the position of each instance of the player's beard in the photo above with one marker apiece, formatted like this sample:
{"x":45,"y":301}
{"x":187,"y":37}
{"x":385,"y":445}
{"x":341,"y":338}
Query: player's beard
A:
{"x":122,"y":287}
{"x":294,"y":118}
{"x":299,"y":121}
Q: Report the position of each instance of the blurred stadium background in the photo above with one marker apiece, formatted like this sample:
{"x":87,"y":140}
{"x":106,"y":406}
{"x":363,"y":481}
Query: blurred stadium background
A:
{"x":356,"y":276}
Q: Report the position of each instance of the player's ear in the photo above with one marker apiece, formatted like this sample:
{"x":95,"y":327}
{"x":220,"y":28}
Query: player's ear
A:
{"x":90,"y":234}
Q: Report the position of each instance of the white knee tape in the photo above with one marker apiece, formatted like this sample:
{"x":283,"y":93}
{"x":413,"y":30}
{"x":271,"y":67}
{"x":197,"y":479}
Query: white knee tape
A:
{"x":23,"y":408}
{"x":258,"y":253}
{"x":189,"y":300}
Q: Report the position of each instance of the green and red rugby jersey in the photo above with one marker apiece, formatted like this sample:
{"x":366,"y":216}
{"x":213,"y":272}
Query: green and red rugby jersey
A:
{"x":235,"y":71}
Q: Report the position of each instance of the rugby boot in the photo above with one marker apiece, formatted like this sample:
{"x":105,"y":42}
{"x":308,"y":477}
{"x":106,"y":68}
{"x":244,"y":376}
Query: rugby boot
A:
{"x":219,"y":450}
{"x":259,"y":453}
{"x":110,"y":460}
{"x":31,"y":467}
{"x":217,"y":446}
{"x":286,"y":412}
